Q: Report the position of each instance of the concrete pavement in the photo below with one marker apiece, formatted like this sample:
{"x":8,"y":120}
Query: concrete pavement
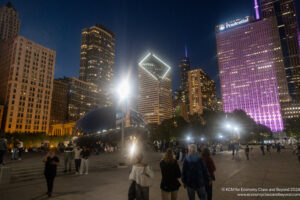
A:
{"x":233,"y":175}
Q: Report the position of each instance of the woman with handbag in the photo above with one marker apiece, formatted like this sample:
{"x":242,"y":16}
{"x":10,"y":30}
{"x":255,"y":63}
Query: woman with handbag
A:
{"x":141,"y":174}
{"x":170,"y":174}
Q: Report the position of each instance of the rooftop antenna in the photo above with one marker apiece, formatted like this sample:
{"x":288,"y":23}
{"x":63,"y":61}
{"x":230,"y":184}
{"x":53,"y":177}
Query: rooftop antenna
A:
{"x":256,"y":9}
{"x":185,"y":50}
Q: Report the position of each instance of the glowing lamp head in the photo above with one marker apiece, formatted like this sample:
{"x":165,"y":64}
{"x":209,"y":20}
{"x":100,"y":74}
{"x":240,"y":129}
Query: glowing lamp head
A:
{"x":132,"y":149}
{"x":202,"y":139}
{"x":236,"y":129}
{"x":188,"y":138}
{"x":123,"y":90}
{"x":228,"y":126}
{"x":220,"y":136}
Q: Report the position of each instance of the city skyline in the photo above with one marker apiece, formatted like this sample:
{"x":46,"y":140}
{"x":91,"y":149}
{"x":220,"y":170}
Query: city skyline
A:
{"x":196,"y":31}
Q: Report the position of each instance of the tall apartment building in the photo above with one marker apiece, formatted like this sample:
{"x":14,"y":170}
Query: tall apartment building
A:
{"x":202,"y":92}
{"x":184,"y":67}
{"x":9,"y":22}
{"x":26,"y":74}
{"x":97,"y":60}
{"x":284,"y":12}
{"x":72,"y":99}
{"x":155,"y":89}
{"x":251,"y":69}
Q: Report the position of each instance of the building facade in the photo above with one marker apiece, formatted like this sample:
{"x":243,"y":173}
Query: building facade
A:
{"x":72,"y":99}
{"x":290,"y":110}
{"x":97,"y":59}
{"x":9,"y":22}
{"x":26,"y":74}
{"x":251,"y":69}
{"x":202,"y":92}
{"x":287,"y":24}
{"x":155,"y":89}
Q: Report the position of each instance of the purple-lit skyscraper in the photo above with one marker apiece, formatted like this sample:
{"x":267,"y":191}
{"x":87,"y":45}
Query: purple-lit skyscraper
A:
{"x":251,"y":69}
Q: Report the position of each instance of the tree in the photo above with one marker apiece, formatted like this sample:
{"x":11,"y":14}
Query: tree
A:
{"x":292,"y":127}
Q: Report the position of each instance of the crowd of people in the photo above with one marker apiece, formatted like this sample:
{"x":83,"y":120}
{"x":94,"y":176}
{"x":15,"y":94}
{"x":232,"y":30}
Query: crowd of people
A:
{"x":196,"y":175}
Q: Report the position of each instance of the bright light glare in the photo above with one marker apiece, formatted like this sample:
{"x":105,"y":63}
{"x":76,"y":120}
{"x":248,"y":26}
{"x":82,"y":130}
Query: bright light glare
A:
{"x":202,"y":139}
{"x":188,"y":138}
{"x":220,"y":136}
{"x":123,"y":90}
{"x":132,"y":149}
{"x":228,"y":126}
{"x":236,"y":128}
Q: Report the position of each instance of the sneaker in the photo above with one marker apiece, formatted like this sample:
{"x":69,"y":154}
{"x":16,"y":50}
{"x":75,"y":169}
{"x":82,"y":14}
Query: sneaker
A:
{"x":76,"y":172}
{"x":86,"y":173}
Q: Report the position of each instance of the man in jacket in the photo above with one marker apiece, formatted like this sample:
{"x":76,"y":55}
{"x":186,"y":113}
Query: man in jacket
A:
{"x":195,"y":175}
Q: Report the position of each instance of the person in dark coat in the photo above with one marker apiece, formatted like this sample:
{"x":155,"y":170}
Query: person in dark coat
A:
{"x":211,"y":169}
{"x":170,"y":174}
{"x":51,"y":161}
{"x":195,"y":175}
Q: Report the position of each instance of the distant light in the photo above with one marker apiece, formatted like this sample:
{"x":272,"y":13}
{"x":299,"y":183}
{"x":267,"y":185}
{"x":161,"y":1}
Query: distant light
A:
{"x":202,"y":139}
{"x":132,"y":148}
{"x":236,"y":128}
{"x":220,"y":136}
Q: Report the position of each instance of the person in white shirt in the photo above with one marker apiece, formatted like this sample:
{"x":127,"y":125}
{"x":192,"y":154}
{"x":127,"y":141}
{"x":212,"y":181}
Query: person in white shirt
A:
{"x":141,"y":174}
{"x":77,"y":157}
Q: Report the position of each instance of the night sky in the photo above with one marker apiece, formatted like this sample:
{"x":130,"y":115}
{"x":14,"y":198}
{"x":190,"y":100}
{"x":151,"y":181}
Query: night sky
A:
{"x":140,"y":26}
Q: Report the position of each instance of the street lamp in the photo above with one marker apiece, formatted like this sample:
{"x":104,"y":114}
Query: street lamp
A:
{"x":123,"y":92}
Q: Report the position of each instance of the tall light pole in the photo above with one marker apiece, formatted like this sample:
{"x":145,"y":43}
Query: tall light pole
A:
{"x":123,"y":93}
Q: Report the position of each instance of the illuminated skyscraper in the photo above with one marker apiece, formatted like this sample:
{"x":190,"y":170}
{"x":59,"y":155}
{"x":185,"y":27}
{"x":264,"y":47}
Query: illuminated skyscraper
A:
{"x":285,"y":13}
{"x":202,"y":92}
{"x":9,"y":22}
{"x":72,"y":99}
{"x":26,"y":74}
{"x":155,"y":89}
{"x":97,"y":59}
{"x":184,"y":67}
{"x":252,"y":70}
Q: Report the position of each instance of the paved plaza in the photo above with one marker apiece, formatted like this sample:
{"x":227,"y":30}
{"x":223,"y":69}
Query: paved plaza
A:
{"x":270,"y":172}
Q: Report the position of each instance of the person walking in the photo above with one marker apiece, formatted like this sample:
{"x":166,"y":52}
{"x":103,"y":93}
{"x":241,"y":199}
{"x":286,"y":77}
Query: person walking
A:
{"x":247,"y":151}
{"x":68,"y":157}
{"x":269,"y":148}
{"x":233,"y":149}
{"x":77,"y":152}
{"x":211,"y":169}
{"x":84,"y":165}
{"x":3,"y":148}
{"x":14,"y":155}
{"x":51,"y":161}
{"x":141,"y":174}
{"x":262,"y":148}
{"x":170,"y":174}
{"x":195,"y":175}
{"x":20,"y":150}
{"x":278,"y":147}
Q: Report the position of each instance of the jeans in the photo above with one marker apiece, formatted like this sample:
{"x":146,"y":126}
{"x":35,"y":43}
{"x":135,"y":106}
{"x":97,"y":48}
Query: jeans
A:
{"x":200,"y":192}
{"x":77,"y":164}
{"x":169,"y":195}
{"x":50,"y":181}
{"x":142,"y":193}
{"x":84,"y":166}
{"x":14,"y":154}
{"x":68,"y":161}
{"x":209,"y":191}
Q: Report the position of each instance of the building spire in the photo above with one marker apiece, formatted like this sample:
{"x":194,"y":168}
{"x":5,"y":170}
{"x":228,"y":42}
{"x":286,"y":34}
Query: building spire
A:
{"x":256,"y":9}
{"x":185,"y":51}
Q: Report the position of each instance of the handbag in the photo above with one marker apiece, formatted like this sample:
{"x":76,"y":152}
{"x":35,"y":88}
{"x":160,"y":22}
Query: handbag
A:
{"x":132,"y":191}
{"x":145,"y":179}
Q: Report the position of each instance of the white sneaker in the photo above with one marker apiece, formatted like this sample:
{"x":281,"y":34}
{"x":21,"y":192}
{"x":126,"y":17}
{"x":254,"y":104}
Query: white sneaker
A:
{"x":86,"y":173}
